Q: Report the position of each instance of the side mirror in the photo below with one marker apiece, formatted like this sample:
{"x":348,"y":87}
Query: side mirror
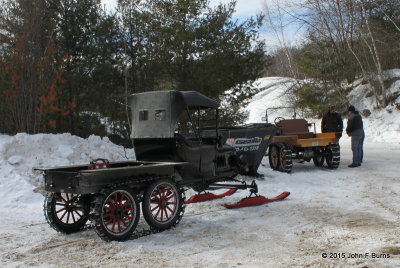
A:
{"x":264,"y":119}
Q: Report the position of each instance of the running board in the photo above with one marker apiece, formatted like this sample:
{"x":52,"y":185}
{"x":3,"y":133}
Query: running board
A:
{"x":256,"y":201}
{"x":209,"y":196}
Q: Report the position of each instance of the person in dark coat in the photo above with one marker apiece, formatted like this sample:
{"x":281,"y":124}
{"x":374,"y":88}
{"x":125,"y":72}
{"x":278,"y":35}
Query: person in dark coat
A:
{"x":332,"y":122}
{"x":355,"y":130}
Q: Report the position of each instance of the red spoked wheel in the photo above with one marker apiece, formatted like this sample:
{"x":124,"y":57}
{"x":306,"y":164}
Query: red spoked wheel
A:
{"x":66,"y":212}
{"x":116,"y":214}
{"x":162,"y":204}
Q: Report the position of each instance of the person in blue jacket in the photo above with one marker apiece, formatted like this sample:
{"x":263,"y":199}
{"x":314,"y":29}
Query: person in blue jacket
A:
{"x":355,"y":130}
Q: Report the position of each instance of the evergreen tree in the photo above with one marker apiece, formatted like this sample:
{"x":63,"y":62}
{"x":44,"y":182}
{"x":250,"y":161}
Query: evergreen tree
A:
{"x":190,"y":46}
{"x":204,"y":49}
{"x":81,"y":42}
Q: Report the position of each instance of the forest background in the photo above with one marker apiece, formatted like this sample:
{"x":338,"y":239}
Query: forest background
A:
{"x":69,"y":65}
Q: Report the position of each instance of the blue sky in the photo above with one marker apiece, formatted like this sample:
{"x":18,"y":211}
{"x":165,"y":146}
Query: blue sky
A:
{"x":244,"y":8}
{"x":248,"y":8}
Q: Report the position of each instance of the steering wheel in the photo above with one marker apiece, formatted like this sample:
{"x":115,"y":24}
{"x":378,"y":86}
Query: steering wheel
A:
{"x":278,"y":119}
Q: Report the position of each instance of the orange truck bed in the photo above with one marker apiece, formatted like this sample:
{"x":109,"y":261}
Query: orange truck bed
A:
{"x":320,"y":139}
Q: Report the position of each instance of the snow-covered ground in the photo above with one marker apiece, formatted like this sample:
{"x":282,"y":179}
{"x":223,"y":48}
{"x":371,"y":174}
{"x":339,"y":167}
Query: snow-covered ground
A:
{"x":350,"y":211}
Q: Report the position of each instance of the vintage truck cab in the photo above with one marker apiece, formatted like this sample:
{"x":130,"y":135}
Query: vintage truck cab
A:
{"x":182,"y":126}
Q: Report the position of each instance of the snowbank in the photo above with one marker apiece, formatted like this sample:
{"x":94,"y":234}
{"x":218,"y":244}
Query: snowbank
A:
{"x":361,"y":96}
{"x":22,"y":152}
{"x":382,"y":125}
{"x":272,"y":95}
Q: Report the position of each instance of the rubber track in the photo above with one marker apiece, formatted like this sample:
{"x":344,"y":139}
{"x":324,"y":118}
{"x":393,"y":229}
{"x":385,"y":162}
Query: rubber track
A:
{"x":96,"y":210}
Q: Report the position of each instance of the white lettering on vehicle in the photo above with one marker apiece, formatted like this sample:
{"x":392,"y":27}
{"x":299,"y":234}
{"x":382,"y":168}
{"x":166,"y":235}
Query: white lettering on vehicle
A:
{"x":245,"y":144}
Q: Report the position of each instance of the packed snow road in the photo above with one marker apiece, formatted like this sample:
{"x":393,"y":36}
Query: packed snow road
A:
{"x":351,"y":215}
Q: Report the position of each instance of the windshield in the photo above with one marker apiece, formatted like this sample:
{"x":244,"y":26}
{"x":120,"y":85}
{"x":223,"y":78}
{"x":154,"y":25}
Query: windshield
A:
{"x":197,"y":123}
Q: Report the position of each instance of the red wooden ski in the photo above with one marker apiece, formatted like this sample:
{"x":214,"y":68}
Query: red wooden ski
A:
{"x":209,"y":196}
{"x":256,"y":201}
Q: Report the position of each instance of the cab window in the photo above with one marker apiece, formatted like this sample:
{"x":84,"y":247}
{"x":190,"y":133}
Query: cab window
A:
{"x":143,"y":115}
{"x":160,"y":115}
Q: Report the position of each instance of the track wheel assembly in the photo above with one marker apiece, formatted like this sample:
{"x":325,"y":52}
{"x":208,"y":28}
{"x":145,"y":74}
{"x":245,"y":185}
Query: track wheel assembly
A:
{"x":116,"y":214}
{"x":273,"y":156}
{"x":332,"y":155}
{"x":162,"y":204}
{"x":285,"y":159}
{"x":65,"y":212}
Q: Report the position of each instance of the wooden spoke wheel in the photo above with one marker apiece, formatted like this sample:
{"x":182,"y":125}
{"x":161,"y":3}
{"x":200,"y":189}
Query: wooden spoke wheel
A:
{"x":285,"y":159}
{"x":273,"y":157}
{"x":66,"y":212}
{"x":116,"y":214}
{"x":162,"y":204}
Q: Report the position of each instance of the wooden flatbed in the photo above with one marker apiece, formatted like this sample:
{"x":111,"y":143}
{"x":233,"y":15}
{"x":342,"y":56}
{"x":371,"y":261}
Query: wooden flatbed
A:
{"x":320,"y":139}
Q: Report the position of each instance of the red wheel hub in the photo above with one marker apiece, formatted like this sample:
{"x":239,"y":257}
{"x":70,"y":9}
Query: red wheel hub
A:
{"x":118,"y":211}
{"x":163,"y":203}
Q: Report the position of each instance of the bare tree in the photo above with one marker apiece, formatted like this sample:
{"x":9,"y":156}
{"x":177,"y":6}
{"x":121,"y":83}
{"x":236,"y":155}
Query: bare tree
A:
{"x":352,"y":28}
{"x":274,"y":20}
